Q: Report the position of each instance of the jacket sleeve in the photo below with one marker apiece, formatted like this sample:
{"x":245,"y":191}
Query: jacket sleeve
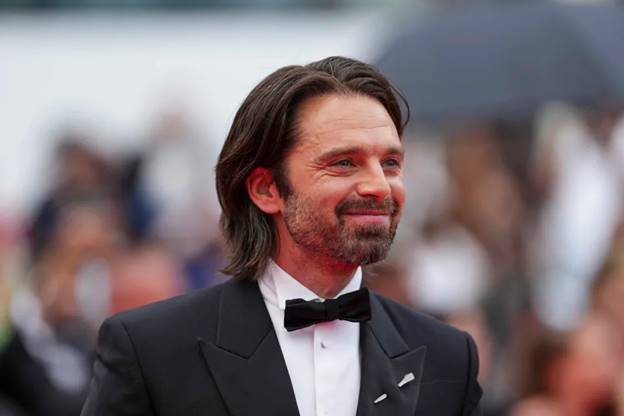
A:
{"x":117,"y":387}
{"x":473,"y":393}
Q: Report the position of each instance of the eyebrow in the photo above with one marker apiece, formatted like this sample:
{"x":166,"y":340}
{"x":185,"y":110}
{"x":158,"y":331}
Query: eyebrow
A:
{"x":343,"y":151}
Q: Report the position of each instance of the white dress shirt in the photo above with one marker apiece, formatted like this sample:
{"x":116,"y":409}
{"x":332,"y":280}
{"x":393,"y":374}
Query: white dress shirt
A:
{"x":323,"y":360}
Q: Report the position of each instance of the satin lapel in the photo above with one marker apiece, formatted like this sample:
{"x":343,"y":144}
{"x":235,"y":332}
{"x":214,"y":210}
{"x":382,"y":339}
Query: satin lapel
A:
{"x":386,"y":360}
{"x":245,"y":359}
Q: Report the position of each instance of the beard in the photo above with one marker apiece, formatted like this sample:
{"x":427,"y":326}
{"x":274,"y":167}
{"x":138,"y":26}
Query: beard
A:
{"x":331,"y":236}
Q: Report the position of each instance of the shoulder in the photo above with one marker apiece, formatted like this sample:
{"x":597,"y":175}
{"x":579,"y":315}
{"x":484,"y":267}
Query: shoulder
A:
{"x":416,"y":326}
{"x":449,"y":350}
{"x":171,"y":316}
{"x":451,"y":364}
{"x":176,"y":304}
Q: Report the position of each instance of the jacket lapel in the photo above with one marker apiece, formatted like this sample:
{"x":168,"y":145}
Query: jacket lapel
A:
{"x":386,"y":362}
{"x":245,"y":359}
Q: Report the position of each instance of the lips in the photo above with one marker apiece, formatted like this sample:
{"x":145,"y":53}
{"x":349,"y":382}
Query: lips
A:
{"x":368,"y":212}
{"x":367,"y":207}
{"x":369,"y":216}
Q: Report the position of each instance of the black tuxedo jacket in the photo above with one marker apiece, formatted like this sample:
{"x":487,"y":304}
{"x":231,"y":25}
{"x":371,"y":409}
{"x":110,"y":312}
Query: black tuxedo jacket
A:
{"x":214,"y":352}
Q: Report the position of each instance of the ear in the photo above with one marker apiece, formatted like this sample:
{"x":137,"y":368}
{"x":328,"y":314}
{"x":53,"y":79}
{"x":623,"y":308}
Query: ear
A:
{"x":263,"y":191}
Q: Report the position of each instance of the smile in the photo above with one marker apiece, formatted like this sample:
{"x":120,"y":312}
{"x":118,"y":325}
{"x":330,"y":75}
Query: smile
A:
{"x":369,"y":216}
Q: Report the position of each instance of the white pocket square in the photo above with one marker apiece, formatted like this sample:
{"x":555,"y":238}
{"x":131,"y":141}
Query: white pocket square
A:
{"x":406,"y":379}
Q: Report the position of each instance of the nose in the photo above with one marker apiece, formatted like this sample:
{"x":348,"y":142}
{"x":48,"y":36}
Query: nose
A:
{"x":374,"y":183}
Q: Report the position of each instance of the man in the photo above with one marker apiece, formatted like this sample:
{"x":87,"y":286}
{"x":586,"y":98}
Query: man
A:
{"x":309,"y":180}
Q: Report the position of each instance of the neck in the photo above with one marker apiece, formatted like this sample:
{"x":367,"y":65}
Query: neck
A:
{"x":325,"y":278}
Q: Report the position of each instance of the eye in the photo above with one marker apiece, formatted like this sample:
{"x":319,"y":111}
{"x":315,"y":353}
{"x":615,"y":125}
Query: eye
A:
{"x":392,"y":163}
{"x":343,"y":164}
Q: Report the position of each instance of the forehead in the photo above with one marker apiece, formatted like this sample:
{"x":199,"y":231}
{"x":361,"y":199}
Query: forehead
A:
{"x":334,"y":120}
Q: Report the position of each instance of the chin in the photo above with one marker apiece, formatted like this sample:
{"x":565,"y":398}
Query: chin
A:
{"x":366,"y":256}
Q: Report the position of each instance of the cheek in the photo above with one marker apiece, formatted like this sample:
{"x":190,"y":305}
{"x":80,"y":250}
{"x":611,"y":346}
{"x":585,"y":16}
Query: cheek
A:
{"x":397,"y":189}
{"x":334,"y":192}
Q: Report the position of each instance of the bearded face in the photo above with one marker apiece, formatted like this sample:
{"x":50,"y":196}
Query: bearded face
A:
{"x":343,"y":189}
{"x":337,"y":234}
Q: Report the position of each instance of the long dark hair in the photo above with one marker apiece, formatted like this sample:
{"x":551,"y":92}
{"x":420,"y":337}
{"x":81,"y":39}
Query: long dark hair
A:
{"x":263,"y":131}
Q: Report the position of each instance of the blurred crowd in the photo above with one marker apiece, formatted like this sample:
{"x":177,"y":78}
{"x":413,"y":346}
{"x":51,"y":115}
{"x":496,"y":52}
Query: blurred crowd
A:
{"x":107,"y":236}
{"x":513,"y":231}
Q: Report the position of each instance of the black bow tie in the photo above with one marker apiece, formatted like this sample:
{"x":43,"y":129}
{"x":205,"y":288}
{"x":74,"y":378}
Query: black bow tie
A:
{"x":353,"y":306}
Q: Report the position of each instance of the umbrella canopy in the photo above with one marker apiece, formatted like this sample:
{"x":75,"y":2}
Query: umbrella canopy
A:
{"x":505,"y":60}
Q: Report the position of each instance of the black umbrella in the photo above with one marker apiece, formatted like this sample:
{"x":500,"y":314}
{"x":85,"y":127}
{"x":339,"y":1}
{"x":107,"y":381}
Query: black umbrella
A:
{"x":505,"y":60}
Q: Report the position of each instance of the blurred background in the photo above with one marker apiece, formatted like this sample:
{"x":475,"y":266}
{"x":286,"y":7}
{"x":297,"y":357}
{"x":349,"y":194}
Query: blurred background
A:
{"x":113,"y":113}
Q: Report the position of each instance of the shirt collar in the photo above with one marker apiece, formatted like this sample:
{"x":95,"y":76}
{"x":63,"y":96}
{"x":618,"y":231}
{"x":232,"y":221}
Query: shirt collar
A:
{"x":277,"y":286}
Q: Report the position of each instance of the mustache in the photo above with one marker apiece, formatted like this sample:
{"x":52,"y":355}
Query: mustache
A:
{"x":387,"y":205}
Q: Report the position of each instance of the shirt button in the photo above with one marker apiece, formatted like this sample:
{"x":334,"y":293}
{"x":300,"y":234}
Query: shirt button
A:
{"x":324,"y":344}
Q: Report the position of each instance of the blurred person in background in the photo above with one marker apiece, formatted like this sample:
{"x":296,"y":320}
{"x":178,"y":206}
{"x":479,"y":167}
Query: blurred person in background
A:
{"x":466,"y":260}
{"x":472,"y":242}
{"x":172,"y":196}
{"x":70,"y":296}
{"x":584,"y":204}
{"x":84,"y":268}
{"x":576,"y":376}
{"x":79,"y":173}
{"x":580,"y":373}
{"x":45,"y":364}
{"x":26,"y":387}
{"x":145,"y":273}
{"x":536,"y":374}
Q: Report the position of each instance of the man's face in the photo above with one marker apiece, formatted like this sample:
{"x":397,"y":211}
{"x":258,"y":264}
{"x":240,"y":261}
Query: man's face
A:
{"x":345,"y":179}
